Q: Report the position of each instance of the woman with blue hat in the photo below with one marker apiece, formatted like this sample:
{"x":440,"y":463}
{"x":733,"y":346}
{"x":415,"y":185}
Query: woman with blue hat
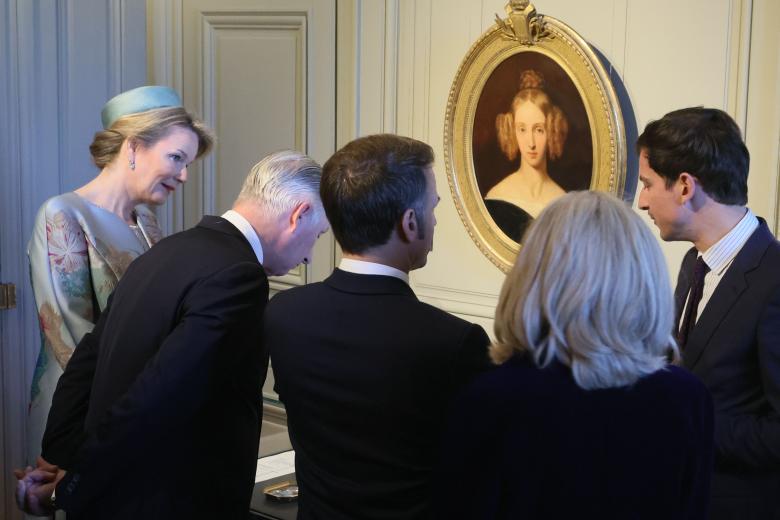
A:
{"x":84,"y":240}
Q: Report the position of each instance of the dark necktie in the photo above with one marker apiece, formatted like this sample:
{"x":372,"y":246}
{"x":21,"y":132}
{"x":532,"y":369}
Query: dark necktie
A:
{"x":700,"y":269}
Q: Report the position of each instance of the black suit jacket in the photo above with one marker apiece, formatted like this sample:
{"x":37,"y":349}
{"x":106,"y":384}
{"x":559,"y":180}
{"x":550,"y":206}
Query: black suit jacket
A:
{"x":366,"y":383}
{"x":735,"y":350}
{"x":170,"y":425}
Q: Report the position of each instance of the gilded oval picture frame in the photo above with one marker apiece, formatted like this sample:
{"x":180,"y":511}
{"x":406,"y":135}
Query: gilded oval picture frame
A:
{"x":531,"y":115}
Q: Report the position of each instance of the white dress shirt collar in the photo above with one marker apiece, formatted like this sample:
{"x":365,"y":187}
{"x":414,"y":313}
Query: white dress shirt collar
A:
{"x":362,"y":267}
{"x":720,"y":254}
{"x":247,"y":230}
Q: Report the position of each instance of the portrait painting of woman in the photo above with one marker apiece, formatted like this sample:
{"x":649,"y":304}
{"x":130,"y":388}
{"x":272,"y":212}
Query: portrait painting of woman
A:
{"x":535,"y":130}
{"x":532,"y":141}
{"x":533,"y":113}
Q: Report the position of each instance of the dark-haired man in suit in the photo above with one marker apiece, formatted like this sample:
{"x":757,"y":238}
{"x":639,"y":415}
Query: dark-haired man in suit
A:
{"x":158,"y":413}
{"x":693,"y":166}
{"x":368,"y":379}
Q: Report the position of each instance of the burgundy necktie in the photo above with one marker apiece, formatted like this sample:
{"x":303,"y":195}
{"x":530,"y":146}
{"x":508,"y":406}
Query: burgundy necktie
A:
{"x":700,"y":270}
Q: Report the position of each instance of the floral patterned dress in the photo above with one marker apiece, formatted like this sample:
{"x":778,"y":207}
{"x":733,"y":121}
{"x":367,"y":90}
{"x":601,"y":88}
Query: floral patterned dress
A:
{"x":78,"y":252}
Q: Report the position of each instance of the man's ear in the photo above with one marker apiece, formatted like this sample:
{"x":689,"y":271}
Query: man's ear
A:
{"x":299,"y":213}
{"x":408,"y":228}
{"x":687,"y":187}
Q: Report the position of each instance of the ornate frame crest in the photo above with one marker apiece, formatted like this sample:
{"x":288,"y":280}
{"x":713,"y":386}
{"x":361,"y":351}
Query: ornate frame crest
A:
{"x":531,"y":40}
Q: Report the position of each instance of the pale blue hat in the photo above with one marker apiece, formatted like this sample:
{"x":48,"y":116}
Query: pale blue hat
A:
{"x":138,"y":100}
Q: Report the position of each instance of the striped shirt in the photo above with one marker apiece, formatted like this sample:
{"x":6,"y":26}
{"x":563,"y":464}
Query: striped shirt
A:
{"x":720,"y":256}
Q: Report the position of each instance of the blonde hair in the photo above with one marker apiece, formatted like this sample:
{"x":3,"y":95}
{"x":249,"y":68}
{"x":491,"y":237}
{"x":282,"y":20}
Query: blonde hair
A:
{"x":147,"y":128}
{"x":590,"y":289}
{"x":556,"y":124}
{"x":283,"y":179}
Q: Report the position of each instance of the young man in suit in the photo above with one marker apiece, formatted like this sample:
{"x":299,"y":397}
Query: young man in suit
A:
{"x":368,"y":378}
{"x":158,"y":413}
{"x":693,"y":166}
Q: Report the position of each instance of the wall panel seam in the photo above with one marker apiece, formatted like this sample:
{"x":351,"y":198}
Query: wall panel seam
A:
{"x":63,"y":44}
{"x":391,"y":76}
{"x":13,"y":381}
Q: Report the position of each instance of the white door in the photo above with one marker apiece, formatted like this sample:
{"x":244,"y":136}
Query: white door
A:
{"x":262,"y":74}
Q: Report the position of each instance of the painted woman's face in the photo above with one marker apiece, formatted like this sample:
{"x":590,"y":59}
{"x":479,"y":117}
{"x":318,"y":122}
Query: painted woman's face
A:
{"x":531,"y":133}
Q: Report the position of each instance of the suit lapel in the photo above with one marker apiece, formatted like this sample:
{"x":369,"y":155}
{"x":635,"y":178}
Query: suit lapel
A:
{"x":726,"y":295}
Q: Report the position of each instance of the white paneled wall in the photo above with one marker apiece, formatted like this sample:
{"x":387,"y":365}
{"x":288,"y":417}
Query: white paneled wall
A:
{"x":334,"y":70}
{"x":394,"y":61}
{"x":60,"y":61}
{"x":262,"y":74}
{"x":762,"y":122}
{"x":669,"y":55}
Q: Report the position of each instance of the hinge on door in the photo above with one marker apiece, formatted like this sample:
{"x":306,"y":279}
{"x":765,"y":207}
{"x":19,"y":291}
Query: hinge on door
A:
{"x":7,"y":296}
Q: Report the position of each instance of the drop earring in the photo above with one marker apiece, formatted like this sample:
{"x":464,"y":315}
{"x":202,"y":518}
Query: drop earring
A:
{"x":132,"y":164}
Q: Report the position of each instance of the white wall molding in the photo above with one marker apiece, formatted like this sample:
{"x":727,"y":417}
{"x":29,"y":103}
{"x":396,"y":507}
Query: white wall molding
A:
{"x":419,"y":15}
{"x":114,"y":44}
{"x":13,"y":383}
{"x":368,"y":55}
{"x":214,"y":23}
{"x":390,"y":77}
{"x":164,"y":57}
{"x":762,"y":129}
{"x":347,"y":72}
{"x":296,"y":276}
{"x":456,"y":301}
{"x":65,"y":156}
{"x":417,"y":114}
{"x":195,"y":47}
{"x":370,"y":68}
{"x":60,"y":62}
{"x":737,"y":60}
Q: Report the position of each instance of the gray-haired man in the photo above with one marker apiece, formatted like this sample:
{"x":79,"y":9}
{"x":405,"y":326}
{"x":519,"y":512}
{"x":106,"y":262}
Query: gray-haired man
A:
{"x":158,"y":412}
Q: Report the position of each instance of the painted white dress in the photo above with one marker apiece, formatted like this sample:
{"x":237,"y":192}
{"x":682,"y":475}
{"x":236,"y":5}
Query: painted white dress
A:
{"x":78,"y":252}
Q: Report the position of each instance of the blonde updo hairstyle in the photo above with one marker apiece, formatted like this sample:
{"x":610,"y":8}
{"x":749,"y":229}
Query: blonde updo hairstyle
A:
{"x":590,"y":289}
{"x":556,"y":124}
{"x":147,"y":128}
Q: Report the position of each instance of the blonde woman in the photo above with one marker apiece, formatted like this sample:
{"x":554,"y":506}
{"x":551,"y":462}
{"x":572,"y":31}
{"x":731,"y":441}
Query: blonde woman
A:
{"x":584,"y":417}
{"x":84,"y":240}
{"x":535,"y":130}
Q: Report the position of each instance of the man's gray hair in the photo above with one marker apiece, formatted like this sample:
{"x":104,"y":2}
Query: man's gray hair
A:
{"x":282,"y":180}
{"x":589,"y":289}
